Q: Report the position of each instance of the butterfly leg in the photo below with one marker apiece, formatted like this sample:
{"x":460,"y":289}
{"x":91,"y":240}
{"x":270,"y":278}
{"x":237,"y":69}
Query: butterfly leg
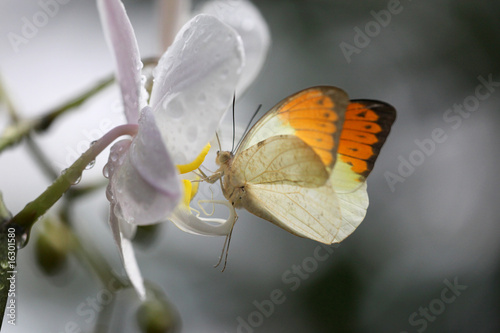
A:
{"x":225,"y":247}
{"x":209,"y":179}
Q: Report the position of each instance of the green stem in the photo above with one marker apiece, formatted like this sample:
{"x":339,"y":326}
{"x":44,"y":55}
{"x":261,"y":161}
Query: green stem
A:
{"x":14,"y":133}
{"x":95,"y":261}
{"x":4,"y":212}
{"x":21,"y":128}
{"x":33,"y":210}
{"x":45,"y":121}
{"x":5,"y":98}
{"x":102,"y":324}
{"x":40,"y":157}
{"x":100,"y":267}
{"x":43,"y":161}
{"x":76,"y":192}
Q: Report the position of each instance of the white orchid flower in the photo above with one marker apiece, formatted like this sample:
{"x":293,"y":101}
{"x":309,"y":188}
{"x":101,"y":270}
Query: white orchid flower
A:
{"x":194,"y":83}
{"x":245,"y":18}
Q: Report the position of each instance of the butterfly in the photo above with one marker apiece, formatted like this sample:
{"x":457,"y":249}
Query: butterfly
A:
{"x":303,"y":165}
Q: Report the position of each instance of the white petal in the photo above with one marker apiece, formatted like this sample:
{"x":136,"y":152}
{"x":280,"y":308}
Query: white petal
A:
{"x":123,"y":44}
{"x":246,"y":19}
{"x":188,"y":222}
{"x":194,"y":85}
{"x":144,"y":182}
{"x":127,"y":255}
{"x":127,"y":230}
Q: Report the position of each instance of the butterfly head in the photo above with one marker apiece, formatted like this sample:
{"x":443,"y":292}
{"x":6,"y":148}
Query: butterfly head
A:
{"x":223,"y":157}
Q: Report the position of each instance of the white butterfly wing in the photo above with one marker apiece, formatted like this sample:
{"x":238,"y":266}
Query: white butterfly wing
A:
{"x":279,"y":159}
{"x":286,"y":183}
{"x":306,"y":212}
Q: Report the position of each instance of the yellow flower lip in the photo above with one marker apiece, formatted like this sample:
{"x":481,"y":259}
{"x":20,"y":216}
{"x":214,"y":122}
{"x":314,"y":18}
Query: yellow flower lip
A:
{"x":191,"y":189}
{"x":188,"y":187}
{"x":185,"y":168}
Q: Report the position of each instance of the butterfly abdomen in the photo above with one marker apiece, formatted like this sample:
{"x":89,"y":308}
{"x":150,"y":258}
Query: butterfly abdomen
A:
{"x":234,"y":193}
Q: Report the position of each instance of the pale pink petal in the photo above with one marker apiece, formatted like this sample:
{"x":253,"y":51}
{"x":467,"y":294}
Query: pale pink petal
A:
{"x":123,"y":44}
{"x":194,"y":85}
{"x":144,"y":182}
{"x":127,"y":254}
{"x":246,"y":19}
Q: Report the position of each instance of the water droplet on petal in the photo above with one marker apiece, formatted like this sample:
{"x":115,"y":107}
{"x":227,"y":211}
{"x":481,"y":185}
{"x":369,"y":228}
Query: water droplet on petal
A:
{"x":174,"y":108}
{"x":105,"y":171}
{"x":113,"y":157}
{"x":109,"y":193}
{"x":138,"y":64}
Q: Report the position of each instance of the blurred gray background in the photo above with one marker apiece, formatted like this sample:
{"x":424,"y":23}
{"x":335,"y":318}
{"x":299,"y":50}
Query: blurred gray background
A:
{"x":426,"y":258}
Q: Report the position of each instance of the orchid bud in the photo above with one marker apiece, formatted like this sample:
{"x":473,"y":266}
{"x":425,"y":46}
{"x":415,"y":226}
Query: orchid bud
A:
{"x":157,"y":316}
{"x":52,"y":246}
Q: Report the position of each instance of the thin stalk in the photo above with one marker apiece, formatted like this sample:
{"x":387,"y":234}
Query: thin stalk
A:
{"x":43,"y":161}
{"x":40,"y":157}
{"x":21,"y":128}
{"x":104,"y":272}
{"x":33,"y":210}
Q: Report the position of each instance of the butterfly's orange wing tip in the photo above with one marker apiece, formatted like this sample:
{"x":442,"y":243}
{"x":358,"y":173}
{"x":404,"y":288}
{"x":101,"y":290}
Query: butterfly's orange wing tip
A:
{"x":366,"y":127}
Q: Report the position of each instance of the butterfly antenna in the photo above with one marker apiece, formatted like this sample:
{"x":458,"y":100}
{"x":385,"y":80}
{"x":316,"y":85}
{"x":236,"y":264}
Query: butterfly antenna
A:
{"x":218,"y":140}
{"x":248,"y":125}
{"x":234,"y":127}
